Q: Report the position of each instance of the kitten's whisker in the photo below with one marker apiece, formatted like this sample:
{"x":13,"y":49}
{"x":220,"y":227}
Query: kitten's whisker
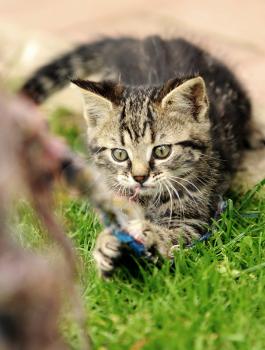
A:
{"x":189,"y":193}
{"x":171,"y":203}
{"x":181,"y":207}
{"x":201,"y":181}
{"x":160,"y":192}
{"x":214,"y":158}
{"x":117,"y":188}
{"x":120,"y":189}
{"x":157,"y":195}
{"x":185,"y":180}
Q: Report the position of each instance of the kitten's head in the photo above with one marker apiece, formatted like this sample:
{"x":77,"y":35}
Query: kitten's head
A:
{"x":144,"y":138}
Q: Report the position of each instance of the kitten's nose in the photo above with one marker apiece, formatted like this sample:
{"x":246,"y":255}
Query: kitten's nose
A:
{"x":140,"y":178}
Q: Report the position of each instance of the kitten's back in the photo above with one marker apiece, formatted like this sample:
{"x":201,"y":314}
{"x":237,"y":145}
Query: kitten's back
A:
{"x":150,"y":61}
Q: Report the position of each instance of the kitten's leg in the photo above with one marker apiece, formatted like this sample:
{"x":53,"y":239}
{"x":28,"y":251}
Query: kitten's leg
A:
{"x":164,"y":241}
{"x":106,"y":251}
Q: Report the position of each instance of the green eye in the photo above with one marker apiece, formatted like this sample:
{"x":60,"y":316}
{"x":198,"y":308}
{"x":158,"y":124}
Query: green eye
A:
{"x":118,"y":154}
{"x":162,"y":151}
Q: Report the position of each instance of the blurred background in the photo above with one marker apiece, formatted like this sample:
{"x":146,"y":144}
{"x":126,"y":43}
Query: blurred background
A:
{"x":81,"y":19}
{"x":186,"y":305}
{"x":33,"y":31}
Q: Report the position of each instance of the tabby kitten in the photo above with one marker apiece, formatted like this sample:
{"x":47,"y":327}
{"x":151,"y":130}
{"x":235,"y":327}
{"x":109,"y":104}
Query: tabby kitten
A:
{"x":166,"y":125}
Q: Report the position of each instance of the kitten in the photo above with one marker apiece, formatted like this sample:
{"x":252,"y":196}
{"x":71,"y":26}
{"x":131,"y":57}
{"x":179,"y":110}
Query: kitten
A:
{"x":166,"y":126}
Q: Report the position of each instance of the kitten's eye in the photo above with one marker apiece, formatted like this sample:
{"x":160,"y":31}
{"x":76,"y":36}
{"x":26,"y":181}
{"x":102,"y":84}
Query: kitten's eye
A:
{"x":162,"y":152}
{"x":118,"y":154}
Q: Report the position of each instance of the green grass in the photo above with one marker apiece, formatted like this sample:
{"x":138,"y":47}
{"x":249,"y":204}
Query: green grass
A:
{"x":213,"y":299}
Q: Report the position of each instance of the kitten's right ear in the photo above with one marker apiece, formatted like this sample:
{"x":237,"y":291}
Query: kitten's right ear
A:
{"x":186,"y":96}
{"x":99,"y":99}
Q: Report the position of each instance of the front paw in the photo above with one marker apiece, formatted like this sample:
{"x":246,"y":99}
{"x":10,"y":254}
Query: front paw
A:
{"x":141,"y":231}
{"x":150,"y":235}
{"x":107,"y":252}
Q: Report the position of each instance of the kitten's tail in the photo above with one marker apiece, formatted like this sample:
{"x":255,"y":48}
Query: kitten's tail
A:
{"x":78,"y":63}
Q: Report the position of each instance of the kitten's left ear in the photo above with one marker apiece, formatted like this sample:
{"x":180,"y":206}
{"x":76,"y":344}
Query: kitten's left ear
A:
{"x":186,"y":98}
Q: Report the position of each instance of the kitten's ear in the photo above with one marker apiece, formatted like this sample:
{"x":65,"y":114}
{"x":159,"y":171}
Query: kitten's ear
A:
{"x":99,"y":98}
{"x":187,"y":97}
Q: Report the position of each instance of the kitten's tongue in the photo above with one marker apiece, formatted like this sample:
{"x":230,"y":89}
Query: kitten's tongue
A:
{"x":135,"y":194}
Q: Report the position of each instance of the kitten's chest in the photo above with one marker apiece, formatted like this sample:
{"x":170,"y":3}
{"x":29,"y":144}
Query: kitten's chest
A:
{"x":174,"y":211}
{"x":161,"y":212}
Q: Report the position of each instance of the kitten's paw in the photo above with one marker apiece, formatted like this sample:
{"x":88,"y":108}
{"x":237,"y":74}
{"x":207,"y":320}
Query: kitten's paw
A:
{"x":151,"y":236}
{"x":141,"y":232}
{"x":106,"y":252}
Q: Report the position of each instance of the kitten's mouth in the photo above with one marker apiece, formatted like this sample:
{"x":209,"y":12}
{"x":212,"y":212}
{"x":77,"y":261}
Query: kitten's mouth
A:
{"x":138,"y":190}
{"x":135,"y":194}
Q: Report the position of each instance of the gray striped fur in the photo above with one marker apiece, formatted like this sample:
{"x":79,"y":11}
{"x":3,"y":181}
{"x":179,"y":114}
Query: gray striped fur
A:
{"x":162,"y":92}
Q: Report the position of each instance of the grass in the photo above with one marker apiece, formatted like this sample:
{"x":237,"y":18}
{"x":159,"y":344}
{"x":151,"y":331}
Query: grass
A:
{"x":213,"y":299}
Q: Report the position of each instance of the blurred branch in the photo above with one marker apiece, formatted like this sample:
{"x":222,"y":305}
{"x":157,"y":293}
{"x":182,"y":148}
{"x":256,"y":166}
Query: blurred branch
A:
{"x":31,"y":159}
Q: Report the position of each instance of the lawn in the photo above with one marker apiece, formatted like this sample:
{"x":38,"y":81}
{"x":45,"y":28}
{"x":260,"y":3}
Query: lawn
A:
{"x":214,"y":298}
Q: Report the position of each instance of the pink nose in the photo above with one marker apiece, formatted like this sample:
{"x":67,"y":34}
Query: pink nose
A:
{"x":140,"y":178}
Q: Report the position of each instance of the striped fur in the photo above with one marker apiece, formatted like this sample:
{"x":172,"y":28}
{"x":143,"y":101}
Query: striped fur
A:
{"x":202,"y":116}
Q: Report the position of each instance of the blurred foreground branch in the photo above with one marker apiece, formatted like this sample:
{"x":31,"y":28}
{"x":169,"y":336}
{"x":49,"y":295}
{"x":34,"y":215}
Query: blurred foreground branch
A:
{"x":30,"y":290}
